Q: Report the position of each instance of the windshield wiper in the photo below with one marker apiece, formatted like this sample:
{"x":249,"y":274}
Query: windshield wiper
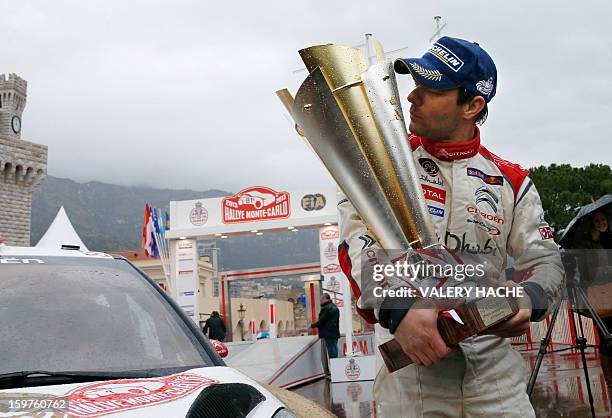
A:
{"x":42,"y":377}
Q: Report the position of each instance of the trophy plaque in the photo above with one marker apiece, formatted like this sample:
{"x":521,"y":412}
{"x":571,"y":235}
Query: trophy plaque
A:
{"x":473,"y":318}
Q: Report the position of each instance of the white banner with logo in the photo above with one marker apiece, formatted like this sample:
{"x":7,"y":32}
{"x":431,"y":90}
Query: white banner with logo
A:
{"x":185,"y":271}
{"x":333,"y":278}
{"x":254,"y":208}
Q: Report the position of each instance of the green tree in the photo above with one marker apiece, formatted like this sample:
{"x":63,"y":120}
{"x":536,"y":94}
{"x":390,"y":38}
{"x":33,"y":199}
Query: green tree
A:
{"x":565,"y":189}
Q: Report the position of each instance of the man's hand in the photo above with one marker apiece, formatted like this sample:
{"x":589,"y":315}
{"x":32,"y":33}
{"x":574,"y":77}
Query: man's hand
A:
{"x":418,"y":334}
{"x":517,"y":324}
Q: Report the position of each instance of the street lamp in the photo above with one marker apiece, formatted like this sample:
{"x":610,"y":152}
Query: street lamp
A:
{"x":241,"y":312}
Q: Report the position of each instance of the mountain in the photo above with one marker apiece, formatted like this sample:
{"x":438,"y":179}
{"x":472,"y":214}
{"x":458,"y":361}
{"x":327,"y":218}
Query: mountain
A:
{"x":108,"y":218}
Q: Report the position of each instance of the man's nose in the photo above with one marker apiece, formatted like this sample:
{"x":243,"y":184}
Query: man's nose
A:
{"x":414,"y":97}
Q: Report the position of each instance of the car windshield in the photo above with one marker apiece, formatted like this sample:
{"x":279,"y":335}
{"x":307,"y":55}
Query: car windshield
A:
{"x":89,"y":314}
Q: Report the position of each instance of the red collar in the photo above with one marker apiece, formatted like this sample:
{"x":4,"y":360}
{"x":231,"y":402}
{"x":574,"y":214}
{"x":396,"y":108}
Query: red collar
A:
{"x":452,"y":151}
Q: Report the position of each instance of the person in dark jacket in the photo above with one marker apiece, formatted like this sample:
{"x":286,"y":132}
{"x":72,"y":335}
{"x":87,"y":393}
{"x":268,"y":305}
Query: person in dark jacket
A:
{"x":328,"y":325}
{"x":215,"y":327}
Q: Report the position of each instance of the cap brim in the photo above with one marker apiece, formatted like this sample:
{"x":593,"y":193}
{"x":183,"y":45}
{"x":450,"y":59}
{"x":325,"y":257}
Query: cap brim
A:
{"x":424,"y":73}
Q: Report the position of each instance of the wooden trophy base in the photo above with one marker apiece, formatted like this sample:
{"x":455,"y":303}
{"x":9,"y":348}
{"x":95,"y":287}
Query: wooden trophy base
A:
{"x":477,"y":316}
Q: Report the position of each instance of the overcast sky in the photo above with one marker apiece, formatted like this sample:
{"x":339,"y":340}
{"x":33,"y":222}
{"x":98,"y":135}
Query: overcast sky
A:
{"x":180,"y":94}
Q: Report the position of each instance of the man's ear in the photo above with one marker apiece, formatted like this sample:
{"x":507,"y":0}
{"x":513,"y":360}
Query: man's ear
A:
{"x":474,"y":107}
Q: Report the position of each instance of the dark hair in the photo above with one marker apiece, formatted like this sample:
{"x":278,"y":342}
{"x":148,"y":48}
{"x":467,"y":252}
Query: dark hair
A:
{"x":465,"y":96}
{"x":214,"y":314}
{"x":326,"y":296}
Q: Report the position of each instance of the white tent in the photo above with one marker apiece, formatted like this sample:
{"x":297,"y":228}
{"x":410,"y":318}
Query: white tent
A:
{"x":61,"y":232}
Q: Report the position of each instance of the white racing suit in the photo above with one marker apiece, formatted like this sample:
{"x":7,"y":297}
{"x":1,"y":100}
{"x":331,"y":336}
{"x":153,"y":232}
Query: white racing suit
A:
{"x":479,"y":204}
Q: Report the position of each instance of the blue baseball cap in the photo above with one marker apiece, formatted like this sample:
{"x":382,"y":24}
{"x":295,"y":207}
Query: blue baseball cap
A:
{"x":451,"y":63}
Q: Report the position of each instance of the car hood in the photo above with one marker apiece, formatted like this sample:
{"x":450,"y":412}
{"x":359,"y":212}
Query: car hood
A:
{"x":167,"y":396}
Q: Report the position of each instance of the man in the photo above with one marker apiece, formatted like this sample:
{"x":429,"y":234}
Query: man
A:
{"x":328,"y":325}
{"x":480,"y":205}
{"x":215,"y":327}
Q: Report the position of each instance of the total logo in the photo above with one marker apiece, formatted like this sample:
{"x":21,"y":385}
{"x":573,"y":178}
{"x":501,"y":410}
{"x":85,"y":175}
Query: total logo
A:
{"x":488,"y":216}
{"x":434,"y":193}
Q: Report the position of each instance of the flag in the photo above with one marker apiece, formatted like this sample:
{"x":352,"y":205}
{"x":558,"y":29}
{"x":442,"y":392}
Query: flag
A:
{"x":167,"y":221}
{"x":147,"y":230}
{"x":161,"y":224}
{"x":154,"y":252}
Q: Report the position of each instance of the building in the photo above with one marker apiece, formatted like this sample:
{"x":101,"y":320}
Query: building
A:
{"x":256,"y":312}
{"x":23,"y":164}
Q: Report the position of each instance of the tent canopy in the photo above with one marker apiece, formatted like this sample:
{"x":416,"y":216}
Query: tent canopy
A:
{"x":61,"y":232}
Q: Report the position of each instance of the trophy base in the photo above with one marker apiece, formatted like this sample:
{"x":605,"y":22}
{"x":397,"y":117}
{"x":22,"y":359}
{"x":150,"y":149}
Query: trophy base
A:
{"x":477,"y":316}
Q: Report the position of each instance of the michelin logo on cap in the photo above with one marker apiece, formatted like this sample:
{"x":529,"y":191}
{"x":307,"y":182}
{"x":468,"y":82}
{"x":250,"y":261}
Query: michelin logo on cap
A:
{"x":446,"y":56}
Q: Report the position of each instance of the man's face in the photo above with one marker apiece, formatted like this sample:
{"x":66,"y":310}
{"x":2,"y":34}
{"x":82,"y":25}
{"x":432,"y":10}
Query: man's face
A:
{"x":434,"y":114}
{"x":322,"y":299}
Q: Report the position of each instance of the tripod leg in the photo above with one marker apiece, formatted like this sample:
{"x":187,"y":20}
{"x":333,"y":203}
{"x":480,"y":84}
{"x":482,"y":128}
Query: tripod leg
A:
{"x":581,"y":345}
{"x":543,"y":348}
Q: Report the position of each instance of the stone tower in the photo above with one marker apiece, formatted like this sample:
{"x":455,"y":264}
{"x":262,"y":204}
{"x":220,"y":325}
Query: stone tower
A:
{"x":23,"y":164}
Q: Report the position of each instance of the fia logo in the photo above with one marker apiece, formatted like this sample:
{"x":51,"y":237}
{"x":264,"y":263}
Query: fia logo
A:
{"x":312,"y":202}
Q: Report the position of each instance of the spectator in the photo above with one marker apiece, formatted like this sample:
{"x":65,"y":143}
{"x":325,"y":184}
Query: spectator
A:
{"x":596,"y":272}
{"x":328,"y":325}
{"x":215,"y":327}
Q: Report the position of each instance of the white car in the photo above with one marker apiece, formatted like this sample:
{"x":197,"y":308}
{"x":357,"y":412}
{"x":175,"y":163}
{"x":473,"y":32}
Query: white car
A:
{"x":88,"y":335}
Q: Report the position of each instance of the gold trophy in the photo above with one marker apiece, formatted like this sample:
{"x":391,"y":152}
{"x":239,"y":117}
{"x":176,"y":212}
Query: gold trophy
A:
{"x":350,"y":115}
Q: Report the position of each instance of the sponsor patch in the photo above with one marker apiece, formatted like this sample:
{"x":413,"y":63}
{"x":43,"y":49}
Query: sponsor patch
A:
{"x":447,"y":56}
{"x":488,"y":216}
{"x":368,"y":241}
{"x":490,"y":229}
{"x":485,"y":86}
{"x":436,"y":211}
{"x":485,"y":195}
{"x":546,"y":232}
{"x":434,"y":193}
{"x":431,"y":180}
{"x":461,"y":244}
{"x":429,"y":166}
{"x":487,"y":178}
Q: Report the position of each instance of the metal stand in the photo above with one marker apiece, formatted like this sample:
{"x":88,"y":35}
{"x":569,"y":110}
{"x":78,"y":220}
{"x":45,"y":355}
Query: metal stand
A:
{"x":574,"y":294}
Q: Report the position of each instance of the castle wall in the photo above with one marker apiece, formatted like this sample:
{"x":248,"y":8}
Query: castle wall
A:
{"x":23,"y":165}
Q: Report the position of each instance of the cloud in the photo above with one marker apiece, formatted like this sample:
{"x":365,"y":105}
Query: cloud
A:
{"x":181,"y":93}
